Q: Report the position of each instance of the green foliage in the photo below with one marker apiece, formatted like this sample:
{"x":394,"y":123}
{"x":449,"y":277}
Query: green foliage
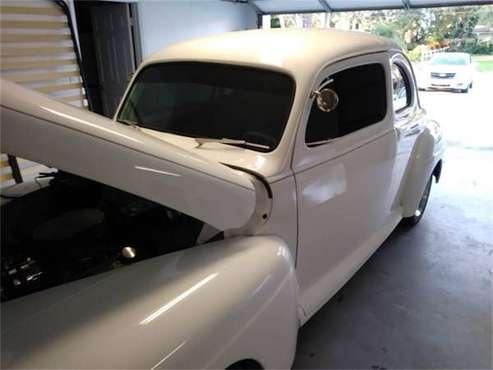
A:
{"x":416,"y":54}
{"x":435,"y":27}
{"x":472,"y":46}
{"x":485,"y":15}
{"x":275,"y":22}
{"x":411,"y":29}
{"x":389,"y":31}
{"x":484,"y":65}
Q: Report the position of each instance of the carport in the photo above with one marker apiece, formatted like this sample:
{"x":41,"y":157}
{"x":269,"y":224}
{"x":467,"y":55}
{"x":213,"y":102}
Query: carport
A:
{"x":424,"y":300}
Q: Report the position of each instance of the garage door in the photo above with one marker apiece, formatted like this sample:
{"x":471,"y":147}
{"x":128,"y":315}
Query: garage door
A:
{"x":37,"y":51}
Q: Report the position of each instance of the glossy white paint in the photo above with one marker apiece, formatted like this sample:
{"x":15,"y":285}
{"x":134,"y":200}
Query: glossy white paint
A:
{"x":353,"y":191}
{"x":329,"y":207}
{"x":41,"y":129}
{"x":204,"y":307}
{"x":280,"y":50}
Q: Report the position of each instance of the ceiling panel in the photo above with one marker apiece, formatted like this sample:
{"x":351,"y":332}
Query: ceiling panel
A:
{"x":288,"y":6}
{"x":338,"y":5}
{"x":304,"y":6}
{"x":425,"y":3}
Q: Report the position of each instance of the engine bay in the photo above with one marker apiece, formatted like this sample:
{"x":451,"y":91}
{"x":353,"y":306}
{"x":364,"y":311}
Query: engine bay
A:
{"x":74,"y":228}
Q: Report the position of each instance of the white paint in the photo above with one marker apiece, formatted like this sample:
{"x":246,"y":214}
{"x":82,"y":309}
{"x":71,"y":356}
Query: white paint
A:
{"x":177,"y":299}
{"x":163,"y":23}
{"x":56,"y":134}
{"x":225,"y":310}
{"x":332,"y":207}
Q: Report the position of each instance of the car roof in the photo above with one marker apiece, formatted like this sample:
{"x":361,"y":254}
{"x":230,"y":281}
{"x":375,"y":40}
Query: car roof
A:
{"x":299,"y":52}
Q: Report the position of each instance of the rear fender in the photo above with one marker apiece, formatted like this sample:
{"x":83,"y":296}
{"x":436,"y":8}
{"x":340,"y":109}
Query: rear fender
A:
{"x":426,"y":156}
{"x":208,"y":306}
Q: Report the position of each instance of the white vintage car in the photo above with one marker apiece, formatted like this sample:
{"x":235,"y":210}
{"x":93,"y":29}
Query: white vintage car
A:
{"x":243,"y":180}
{"x":447,"y":71}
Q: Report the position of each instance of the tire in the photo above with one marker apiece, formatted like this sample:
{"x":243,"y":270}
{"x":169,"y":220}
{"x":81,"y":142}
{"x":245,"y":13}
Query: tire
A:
{"x":418,"y":214}
{"x":465,"y":91}
{"x":470,"y":86}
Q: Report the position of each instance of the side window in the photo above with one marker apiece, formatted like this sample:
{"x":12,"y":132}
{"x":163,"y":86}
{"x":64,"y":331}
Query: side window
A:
{"x":401,"y":90}
{"x":362,"y":102}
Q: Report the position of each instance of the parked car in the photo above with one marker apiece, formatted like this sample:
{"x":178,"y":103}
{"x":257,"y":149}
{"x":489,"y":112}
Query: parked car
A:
{"x":243,"y":180}
{"x":448,"y":71}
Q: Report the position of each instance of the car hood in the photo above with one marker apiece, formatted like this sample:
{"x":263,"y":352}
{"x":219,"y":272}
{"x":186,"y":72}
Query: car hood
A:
{"x":438,"y":68}
{"x":75,"y":140}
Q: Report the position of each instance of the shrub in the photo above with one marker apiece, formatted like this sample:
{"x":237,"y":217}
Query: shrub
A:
{"x":471,"y":46}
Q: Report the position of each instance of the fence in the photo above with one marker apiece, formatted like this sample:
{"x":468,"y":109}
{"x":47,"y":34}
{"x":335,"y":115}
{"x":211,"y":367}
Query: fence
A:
{"x":427,"y":54}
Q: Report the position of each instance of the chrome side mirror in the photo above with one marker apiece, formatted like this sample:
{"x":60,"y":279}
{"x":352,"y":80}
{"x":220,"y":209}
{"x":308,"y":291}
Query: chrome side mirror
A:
{"x":327,"y":99}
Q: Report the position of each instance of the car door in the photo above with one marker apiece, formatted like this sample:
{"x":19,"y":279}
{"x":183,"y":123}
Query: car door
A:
{"x":343,"y":165}
{"x":408,"y":119}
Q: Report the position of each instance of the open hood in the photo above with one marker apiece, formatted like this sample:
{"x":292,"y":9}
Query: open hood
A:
{"x":74,"y":140}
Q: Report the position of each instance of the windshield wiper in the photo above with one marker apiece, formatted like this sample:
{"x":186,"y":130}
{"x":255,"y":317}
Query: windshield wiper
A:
{"x":130,"y":123}
{"x":136,"y":114}
{"x":203,"y":140}
{"x":321,"y":142}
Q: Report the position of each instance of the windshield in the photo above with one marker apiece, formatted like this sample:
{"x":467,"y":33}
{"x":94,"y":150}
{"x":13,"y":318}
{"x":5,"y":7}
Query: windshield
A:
{"x":450,"y":59}
{"x":216,"y":101}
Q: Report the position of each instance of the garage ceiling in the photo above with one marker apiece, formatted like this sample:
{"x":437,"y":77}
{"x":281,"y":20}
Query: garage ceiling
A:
{"x":314,"y":6}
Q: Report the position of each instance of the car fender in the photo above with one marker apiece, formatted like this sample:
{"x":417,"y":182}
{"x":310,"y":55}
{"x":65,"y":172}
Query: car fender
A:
{"x":205,"y":307}
{"x":427,"y":153}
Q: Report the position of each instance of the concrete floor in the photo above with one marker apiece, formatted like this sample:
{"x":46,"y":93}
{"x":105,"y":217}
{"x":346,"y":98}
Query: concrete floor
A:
{"x":424,"y":300}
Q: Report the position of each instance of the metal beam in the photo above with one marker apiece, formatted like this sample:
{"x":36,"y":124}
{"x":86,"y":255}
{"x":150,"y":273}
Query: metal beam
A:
{"x":248,"y":2}
{"x":325,"y":5}
{"x":306,"y":11}
{"x":406,"y":4}
{"x":447,"y":5}
{"x":255,"y":7}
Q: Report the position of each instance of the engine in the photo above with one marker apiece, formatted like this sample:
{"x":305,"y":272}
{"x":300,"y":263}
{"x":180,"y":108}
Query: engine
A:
{"x":76,"y":228}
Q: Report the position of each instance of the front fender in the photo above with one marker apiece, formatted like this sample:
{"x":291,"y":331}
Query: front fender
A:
{"x":207,"y":306}
{"x":427,"y":153}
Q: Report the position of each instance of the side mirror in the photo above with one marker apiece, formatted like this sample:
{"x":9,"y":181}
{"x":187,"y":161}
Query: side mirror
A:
{"x":327,"y":100}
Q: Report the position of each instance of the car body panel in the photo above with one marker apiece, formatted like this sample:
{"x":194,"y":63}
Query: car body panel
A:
{"x":279,"y":50}
{"x":230,"y":155}
{"x":195,"y":308}
{"x":427,"y":153}
{"x":89,"y":145}
{"x":298,"y":221}
{"x":335,"y":182}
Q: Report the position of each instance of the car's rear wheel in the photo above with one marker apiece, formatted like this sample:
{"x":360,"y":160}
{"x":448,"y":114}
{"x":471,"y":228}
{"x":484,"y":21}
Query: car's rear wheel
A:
{"x":418,"y":214}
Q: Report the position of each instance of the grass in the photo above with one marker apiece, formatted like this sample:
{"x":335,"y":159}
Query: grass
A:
{"x":484,"y":63}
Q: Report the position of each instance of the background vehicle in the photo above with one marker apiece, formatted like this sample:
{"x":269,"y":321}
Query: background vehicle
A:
{"x":451,"y":71}
{"x":152,"y":246}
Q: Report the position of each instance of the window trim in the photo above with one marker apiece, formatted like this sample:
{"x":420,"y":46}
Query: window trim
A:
{"x":403,"y":61}
{"x":326,"y":76}
{"x":409,"y":87}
